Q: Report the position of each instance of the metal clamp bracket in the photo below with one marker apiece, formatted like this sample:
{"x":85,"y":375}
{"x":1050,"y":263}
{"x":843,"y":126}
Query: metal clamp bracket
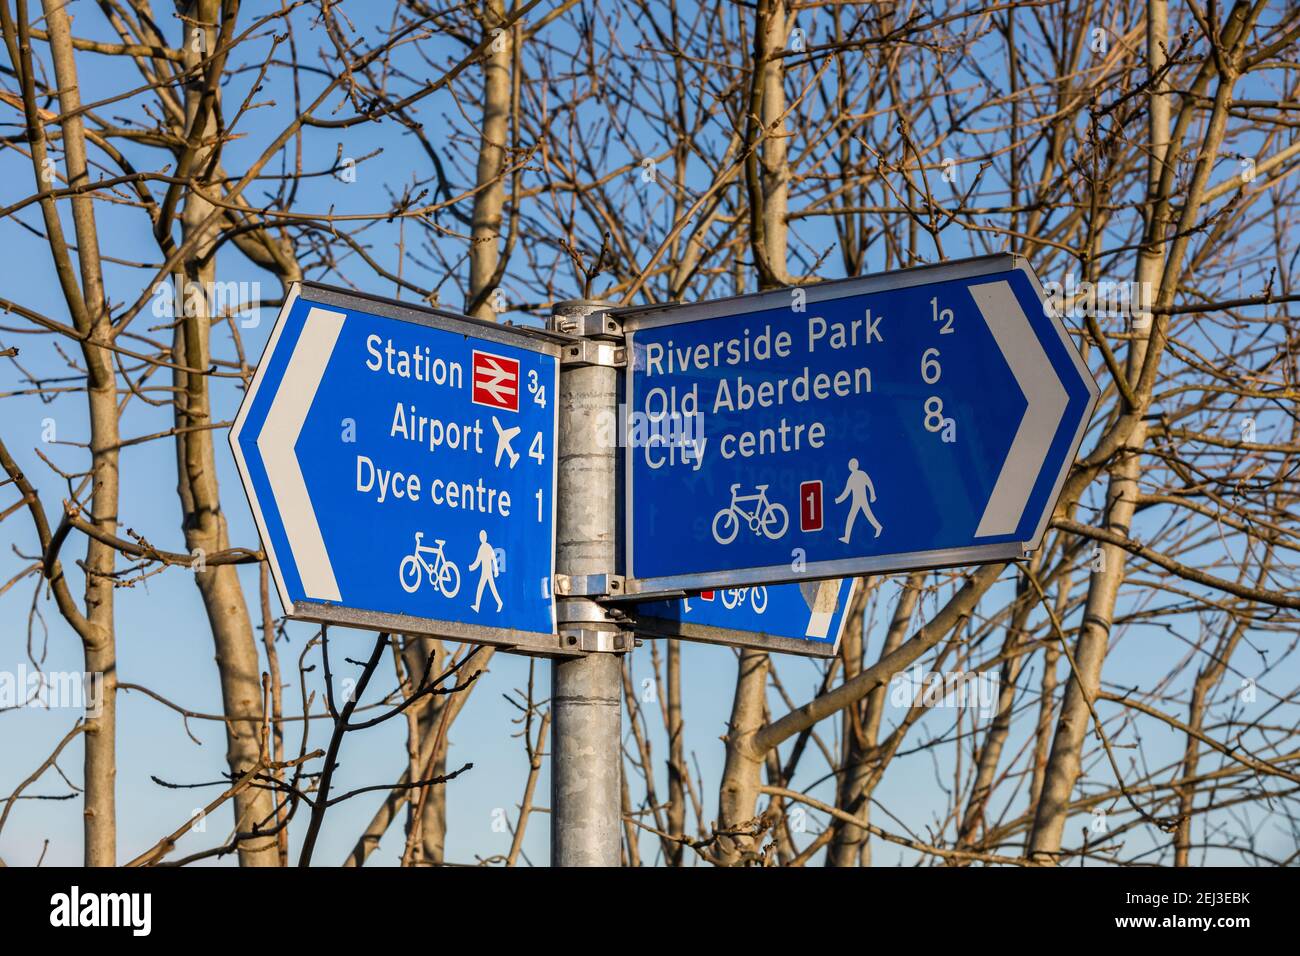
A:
{"x":591,"y":325}
{"x":591,"y":352}
{"x":588,"y":585}
{"x":598,"y":641}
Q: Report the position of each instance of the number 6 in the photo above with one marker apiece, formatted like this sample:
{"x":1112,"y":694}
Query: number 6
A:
{"x":930,"y":368}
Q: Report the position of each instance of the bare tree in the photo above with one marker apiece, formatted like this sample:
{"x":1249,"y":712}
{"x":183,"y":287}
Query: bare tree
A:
{"x":505,"y":155}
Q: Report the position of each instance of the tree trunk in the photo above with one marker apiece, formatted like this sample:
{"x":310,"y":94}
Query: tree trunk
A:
{"x":203,"y":521}
{"x":485,"y":234}
{"x":738,"y":794}
{"x":850,"y":845}
{"x":676,"y":754}
{"x":996,"y":737}
{"x":767,"y":170}
{"x":748,"y":742}
{"x":428,"y":808}
{"x":1153,"y":264}
{"x":99,"y":641}
{"x":432,"y":822}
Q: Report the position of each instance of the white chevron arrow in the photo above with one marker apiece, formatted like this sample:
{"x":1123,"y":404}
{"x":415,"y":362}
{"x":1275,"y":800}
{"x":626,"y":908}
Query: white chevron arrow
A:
{"x":283,"y":425}
{"x":1046,"y":400}
{"x":822,"y":609}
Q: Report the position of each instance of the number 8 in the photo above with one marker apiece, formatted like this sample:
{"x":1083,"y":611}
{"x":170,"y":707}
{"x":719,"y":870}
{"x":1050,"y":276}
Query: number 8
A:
{"x":934,"y":414}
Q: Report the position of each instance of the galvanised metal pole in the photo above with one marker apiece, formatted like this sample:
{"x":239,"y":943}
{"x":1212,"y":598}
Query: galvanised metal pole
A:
{"x":586,"y":690}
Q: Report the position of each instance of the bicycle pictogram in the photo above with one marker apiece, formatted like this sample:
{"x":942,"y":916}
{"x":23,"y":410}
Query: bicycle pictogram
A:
{"x":765,"y":517}
{"x":735,"y":597}
{"x":442,"y":573}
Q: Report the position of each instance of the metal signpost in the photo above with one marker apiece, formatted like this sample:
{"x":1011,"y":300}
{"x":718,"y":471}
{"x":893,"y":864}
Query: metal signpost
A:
{"x":715,"y":472}
{"x":587,"y":691}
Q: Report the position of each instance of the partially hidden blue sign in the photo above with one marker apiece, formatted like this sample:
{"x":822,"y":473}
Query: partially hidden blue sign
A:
{"x":807,"y":618}
{"x":924,"y":418}
{"x":401,"y":466}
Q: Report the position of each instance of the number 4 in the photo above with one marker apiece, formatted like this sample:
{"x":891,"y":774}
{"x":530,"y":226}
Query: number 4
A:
{"x":535,"y":449}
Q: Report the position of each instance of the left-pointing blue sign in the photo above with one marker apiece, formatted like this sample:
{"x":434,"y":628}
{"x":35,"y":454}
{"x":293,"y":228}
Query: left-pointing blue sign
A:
{"x":401,"y":467}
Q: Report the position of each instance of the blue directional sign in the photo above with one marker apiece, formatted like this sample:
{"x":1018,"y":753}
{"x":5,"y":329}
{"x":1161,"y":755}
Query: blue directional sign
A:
{"x":924,"y":418}
{"x":805,"y":619}
{"x":401,"y":467}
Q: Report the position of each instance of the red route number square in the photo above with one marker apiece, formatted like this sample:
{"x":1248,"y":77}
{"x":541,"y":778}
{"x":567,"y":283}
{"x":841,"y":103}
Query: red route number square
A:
{"x":810,"y":506}
{"x":494,"y":381}
{"x":706,"y":595}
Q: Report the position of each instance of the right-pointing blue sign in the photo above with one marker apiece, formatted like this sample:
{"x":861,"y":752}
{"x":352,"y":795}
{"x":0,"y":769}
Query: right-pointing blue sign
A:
{"x":923,"y":418}
{"x":805,"y":619}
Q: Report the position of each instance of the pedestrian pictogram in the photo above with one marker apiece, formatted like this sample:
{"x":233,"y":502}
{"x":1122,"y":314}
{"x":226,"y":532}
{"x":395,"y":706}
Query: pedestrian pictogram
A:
{"x":485,"y":563}
{"x":860,"y":492}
